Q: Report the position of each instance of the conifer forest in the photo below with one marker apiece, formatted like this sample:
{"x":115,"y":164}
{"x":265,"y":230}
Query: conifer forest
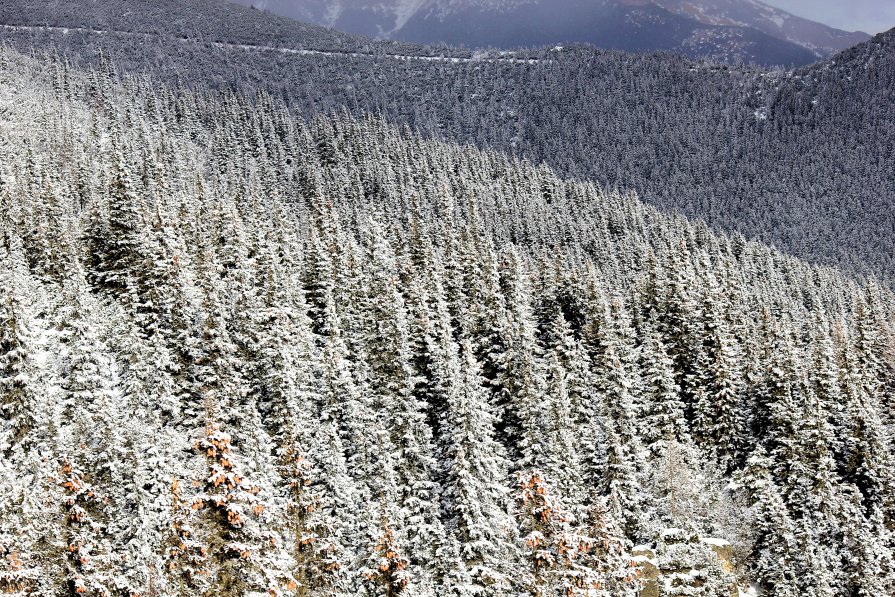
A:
{"x":257,"y":343}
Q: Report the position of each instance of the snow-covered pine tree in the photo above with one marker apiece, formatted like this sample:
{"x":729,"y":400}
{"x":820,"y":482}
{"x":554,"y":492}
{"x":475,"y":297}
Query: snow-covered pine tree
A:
{"x":393,"y":383}
{"x":663,"y":417}
{"x":775,"y":534}
{"x":718,"y":421}
{"x":474,"y":490}
{"x":387,"y":570}
{"x":89,"y":555}
{"x":115,"y":247}
{"x":18,"y":390}
{"x":561,"y":461}
{"x":228,"y":549}
{"x":606,"y":553}
{"x":563,"y":559}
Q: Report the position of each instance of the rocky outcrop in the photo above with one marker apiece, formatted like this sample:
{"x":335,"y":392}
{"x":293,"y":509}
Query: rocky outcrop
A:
{"x":724,"y":550}
{"x":683,"y":563}
{"x":645,"y":559}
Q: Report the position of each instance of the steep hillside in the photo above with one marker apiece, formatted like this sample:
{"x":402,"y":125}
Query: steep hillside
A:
{"x":244,"y":354}
{"x":744,"y":150}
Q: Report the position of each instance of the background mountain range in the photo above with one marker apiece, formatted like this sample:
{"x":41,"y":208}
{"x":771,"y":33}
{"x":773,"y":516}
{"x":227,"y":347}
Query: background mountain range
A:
{"x":722,"y":30}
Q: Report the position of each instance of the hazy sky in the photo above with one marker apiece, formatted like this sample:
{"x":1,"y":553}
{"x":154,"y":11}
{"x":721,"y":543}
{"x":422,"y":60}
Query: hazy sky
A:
{"x":872,"y":16}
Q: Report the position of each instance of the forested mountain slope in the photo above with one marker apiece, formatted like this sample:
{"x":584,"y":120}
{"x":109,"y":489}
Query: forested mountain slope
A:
{"x":245,"y":354}
{"x":793,"y":159}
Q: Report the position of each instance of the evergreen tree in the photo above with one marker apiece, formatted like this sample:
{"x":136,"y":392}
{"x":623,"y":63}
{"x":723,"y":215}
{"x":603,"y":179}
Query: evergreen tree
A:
{"x":228,"y":550}
{"x":717,"y":420}
{"x":664,"y":413}
{"x":867,"y":458}
{"x":89,"y":556}
{"x":391,"y":378}
{"x":474,"y":489}
{"x":17,"y":383}
{"x":116,"y":247}
{"x":775,"y":542}
{"x":387,"y":571}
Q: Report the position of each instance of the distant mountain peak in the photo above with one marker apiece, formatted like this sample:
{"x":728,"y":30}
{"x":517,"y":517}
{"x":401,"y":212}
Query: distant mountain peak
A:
{"x":820,"y":39}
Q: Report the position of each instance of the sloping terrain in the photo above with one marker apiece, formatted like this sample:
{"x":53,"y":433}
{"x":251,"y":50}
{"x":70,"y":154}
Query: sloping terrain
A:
{"x":744,"y":150}
{"x":245,"y":354}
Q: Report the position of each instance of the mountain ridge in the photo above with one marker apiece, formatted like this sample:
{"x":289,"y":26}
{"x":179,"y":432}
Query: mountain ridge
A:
{"x":724,"y":30}
{"x":822,"y":39}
